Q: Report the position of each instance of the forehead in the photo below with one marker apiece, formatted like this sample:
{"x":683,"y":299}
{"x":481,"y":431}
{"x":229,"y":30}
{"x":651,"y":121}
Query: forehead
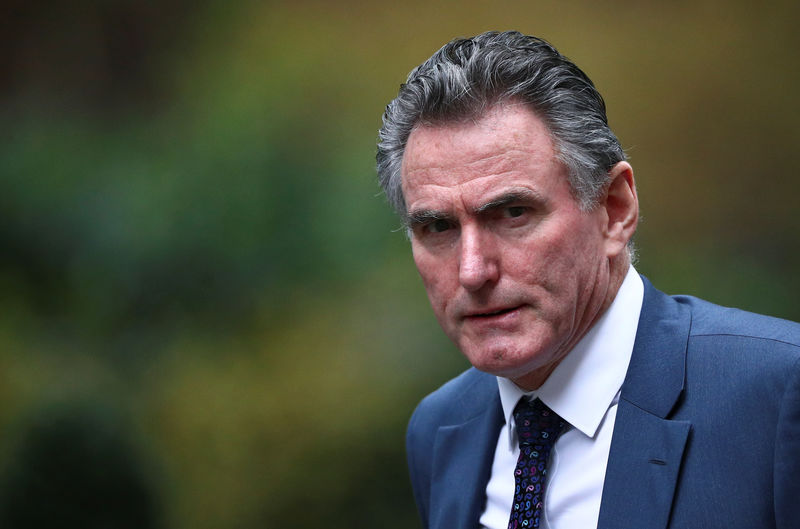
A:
{"x":507,"y":145}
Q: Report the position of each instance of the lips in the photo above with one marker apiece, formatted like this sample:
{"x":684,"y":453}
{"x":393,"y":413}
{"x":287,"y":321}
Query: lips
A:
{"x":492,"y":313}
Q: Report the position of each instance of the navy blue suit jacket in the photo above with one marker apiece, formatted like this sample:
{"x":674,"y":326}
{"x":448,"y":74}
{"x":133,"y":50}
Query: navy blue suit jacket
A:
{"x":707,"y":433}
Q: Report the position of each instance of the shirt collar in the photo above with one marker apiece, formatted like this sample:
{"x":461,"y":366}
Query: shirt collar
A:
{"x":587,"y":381}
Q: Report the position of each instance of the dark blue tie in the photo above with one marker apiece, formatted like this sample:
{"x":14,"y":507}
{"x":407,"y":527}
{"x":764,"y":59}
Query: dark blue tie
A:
{"x":538,"y":427}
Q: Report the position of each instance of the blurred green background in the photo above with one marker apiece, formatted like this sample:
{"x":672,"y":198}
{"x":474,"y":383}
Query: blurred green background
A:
{"x":207,"y":316}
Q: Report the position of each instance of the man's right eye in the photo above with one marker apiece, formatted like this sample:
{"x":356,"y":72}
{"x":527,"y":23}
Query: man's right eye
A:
{"x":439,"y":225}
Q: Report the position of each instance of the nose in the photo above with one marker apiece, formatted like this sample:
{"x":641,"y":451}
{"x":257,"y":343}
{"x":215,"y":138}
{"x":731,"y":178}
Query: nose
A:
{"x":477,"y":263}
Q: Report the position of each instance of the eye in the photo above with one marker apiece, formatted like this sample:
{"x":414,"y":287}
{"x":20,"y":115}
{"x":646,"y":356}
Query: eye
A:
{"x":515,"y":211}
{"x":439,"y":225}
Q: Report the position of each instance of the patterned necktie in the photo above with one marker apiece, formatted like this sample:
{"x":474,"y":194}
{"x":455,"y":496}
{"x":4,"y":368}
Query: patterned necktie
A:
{"x":538,"y":428}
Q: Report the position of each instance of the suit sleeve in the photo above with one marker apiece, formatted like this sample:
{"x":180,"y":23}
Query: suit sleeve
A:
{"x":787,"y":456}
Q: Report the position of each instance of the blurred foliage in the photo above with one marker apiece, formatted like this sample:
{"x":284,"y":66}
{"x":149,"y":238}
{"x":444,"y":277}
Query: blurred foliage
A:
{"x":204,"y":298}
{"x":77,"y":467}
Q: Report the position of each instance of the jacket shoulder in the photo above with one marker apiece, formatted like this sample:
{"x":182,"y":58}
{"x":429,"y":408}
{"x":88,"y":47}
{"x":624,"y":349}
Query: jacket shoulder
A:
{"x":455,"y":402}
{"x":714,"y":322}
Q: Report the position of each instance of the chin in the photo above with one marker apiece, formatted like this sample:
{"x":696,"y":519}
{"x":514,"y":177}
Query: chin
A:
{"x":509,"y":358}
{"x":503,"y":362}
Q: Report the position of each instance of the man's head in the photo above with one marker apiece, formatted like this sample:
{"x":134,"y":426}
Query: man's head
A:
{"x":519,"y":237}
{"x":467,"y":76}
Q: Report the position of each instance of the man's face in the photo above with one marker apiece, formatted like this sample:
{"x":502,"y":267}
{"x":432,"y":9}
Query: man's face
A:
{"x":515,"y":271}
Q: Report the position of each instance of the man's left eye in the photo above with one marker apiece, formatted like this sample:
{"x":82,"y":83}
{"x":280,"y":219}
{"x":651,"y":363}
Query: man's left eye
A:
{"x":515,"y":211}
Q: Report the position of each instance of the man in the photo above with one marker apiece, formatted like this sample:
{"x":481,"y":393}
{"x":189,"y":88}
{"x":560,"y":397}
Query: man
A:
{"x":595,"y":400}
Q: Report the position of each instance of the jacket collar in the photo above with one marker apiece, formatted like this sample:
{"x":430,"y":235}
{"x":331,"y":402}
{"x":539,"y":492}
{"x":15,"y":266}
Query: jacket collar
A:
{"x":647,"y":447}
{"x":657,"y":371}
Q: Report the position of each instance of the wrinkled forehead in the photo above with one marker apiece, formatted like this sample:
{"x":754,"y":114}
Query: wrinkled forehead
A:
{"x":469,"y":163}
{"x":503,"y":135}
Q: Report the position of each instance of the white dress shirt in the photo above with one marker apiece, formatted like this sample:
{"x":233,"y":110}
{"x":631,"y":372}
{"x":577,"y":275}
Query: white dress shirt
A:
{"x":584,"y":390}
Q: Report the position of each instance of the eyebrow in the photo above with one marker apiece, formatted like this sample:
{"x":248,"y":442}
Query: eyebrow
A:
{"x":423,"y":216}
{"x":509,"y":197}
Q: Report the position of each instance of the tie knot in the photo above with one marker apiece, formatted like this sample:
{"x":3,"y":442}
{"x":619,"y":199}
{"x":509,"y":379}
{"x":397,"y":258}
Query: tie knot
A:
{"x":536,"y":423}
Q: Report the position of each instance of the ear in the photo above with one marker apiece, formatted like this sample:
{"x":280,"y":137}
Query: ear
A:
{"x":622,"y":208}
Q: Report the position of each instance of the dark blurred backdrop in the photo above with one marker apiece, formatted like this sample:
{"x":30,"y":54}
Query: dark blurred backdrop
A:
{"x":207,"y":316}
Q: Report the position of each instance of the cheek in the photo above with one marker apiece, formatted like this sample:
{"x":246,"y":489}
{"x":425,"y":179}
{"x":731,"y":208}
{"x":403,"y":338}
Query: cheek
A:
{"x":550,"y":260}
{"x":424,"y":265}
{"x":538,"y":257}
{"x":433,"y":275}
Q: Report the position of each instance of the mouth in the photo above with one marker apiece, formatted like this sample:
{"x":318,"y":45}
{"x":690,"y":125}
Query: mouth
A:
{"x":494,"y":313}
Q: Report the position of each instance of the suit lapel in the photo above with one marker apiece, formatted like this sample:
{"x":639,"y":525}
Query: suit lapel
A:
{"x":647,"y":448}
{"x":643,"y":466}
{"x":463,"y":455}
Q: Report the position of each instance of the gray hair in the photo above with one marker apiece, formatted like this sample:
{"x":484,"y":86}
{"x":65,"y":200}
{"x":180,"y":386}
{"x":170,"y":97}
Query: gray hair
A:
{"x":467,"y":76}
